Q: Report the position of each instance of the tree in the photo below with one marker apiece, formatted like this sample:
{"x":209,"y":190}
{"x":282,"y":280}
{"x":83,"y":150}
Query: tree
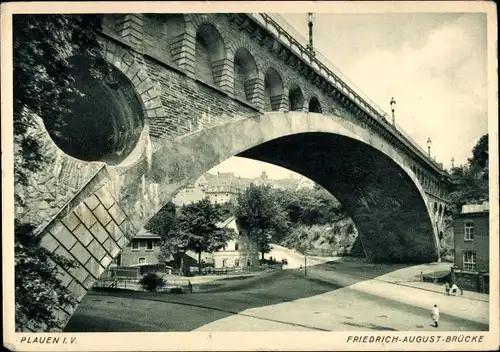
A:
{"x":162,"y":224}
{"x":309,"y":206}
{"x":196,"y":228}
{"x":470,"y":182}
{"x":480,"y":153}
{"x":260,"y":215}
{"x":43,"y":86}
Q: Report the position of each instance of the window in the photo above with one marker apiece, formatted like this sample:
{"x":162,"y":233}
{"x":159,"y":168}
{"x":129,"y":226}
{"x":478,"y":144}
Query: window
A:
{"x":142,"y":243}
{"x":468,"y":231}
{"x":224,"y":262}
{"x":237,"y":262}
{"x":469,"y":260}
{"x":135,"y":245}
{"x":142,"y":260}
{"x":149,"y":245}
{"x":236,"y":246}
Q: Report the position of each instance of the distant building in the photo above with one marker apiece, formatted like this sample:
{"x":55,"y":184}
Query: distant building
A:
{"x":239,"y":252}
{"x":189,"y":194}
{"x":305,"y":183}
{"x":142,"y":249}
{"x":471,"y":242}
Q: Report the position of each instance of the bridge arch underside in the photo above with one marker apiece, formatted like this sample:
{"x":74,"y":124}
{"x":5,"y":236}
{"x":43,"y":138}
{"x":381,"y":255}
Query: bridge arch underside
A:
{"x":383,"y":201}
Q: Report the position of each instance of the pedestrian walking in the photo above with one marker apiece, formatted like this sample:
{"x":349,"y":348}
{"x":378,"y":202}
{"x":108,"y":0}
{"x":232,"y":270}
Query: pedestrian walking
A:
{"x":454,"y":289}
{"x":447,"y":288}
{"x":435,"y":315}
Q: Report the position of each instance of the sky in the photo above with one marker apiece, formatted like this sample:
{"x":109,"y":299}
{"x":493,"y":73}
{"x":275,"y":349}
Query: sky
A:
{"x":433,"y":64}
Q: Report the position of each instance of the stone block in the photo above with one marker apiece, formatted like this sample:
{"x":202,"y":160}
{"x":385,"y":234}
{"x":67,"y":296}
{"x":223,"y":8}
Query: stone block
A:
{"x":63,"y":276}
{"x":83,"y":235}
{"x":123,"y":241}
{"x":102,"y":215}
{"x":105,"y":197}
{"x":78,"y":290}
{"x":117,"y":214}
{"x":62,"y":317}
{"x":63,"y":252}
{"x":96,"y":249}
{"x":114,"y":230}
{"x":71,"y":221}
{"x":89,"y":282}
{"x":128,"y":229}
{"x":99,"y":232}
{"x":80,"y":253}
{"x":64,"y":236}
{"x":49,"y":242}
{"x":94,"y":267}
{"x":80,"y":274}
{"x":111,"y":247}
{"x":92,"y":202}
{"x":106,"y":261}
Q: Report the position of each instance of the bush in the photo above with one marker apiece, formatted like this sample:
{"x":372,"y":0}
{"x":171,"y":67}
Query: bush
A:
{"x":151,"y":282}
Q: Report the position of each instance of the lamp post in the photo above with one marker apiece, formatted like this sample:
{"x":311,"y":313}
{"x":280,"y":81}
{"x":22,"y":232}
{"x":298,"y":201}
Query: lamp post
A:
{"x":429,"y":142}
{"x":452,"y":162}
{"x":393,"y":107}
{"x":310,"y":23}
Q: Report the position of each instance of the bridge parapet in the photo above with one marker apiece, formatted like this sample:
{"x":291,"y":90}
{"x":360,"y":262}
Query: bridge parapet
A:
{"x":323,"y":67}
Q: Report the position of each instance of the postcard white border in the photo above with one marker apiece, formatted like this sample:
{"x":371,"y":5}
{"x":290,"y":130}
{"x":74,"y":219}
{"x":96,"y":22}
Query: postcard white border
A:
{"x":229,"y":341}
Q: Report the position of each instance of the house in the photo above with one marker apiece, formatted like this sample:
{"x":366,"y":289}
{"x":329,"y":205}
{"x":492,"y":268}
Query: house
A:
{"x":142,"y":249}
{"x":471,"y":242}
{"x":239,"y":252}
{"x":219,"y":193}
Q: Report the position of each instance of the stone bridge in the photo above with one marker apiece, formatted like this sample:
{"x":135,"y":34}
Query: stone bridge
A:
{"x":188,"y":91}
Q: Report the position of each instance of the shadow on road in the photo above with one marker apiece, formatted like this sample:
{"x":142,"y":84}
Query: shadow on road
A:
{"x":150,"y":311}
{"x":186,"y":312}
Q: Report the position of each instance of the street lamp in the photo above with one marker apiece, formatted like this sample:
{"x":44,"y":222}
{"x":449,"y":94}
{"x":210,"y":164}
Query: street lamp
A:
{"x":452,"y":162}
{"x":310,"y":23}
{"x":429,"y":142}
{"x":393,"y":107}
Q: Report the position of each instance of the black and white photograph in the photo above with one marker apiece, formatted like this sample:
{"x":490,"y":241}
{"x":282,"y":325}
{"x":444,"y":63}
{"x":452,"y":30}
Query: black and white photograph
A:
{"x":324,"y":173}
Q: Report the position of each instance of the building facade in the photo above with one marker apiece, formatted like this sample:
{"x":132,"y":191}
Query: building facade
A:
{"x":471,"y":242}
{"x":239,"y":252}
{"x":142,"y":249}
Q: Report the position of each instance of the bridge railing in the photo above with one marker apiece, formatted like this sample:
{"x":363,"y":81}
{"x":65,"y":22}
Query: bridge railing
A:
{"x":277,"y":25}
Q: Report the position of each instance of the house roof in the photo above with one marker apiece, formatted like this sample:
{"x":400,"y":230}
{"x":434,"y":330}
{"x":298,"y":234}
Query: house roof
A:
{"x":475,"y":208}
{"x":145,"y":234}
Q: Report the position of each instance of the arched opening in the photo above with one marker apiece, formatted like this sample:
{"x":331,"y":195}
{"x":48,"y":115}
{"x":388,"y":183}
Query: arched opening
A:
{"x":369,"y":194}
{"x":314,"y":106}
{"x":296,"y":98}
{"x":105,"y":123}
{"x":209,"y":53}
{"x":273,"y":90}
{"x":245,"y":74}
{"x":435,"y":208}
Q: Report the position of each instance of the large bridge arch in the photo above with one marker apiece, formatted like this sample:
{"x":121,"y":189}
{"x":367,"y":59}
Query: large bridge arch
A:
{"x":386,"y":202}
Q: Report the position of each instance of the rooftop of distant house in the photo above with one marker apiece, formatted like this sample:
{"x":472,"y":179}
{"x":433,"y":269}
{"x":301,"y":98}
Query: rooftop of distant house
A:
{"x":475,"y":208}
